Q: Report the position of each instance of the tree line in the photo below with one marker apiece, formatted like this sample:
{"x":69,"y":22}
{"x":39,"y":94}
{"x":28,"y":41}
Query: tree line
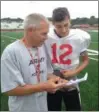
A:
{"x":91,"y":21}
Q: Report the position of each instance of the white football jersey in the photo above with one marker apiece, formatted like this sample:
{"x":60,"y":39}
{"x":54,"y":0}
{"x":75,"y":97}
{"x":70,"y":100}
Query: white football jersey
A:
{"x":65,"y":52}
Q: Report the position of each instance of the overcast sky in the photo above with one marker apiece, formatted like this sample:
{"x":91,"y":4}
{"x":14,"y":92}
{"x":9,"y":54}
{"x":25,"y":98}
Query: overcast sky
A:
{"x":21,"y":9}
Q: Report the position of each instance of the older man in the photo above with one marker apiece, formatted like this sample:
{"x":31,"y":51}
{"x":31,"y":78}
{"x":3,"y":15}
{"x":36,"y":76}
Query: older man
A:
{"x":24,"y":68}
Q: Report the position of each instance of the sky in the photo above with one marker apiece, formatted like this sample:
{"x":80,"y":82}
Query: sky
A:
{"x":21,"y":9}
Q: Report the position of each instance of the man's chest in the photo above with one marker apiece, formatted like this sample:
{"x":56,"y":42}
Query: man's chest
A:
{"x":33,"y":63}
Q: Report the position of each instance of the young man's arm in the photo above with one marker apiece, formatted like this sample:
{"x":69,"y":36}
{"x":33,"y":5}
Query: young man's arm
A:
{"x":84,"y":44}
{"x":84,"y":63}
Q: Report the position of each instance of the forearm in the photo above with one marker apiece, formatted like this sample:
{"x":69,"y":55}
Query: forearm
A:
{"x":71,"y":73}
{"x":84,"y":63}
{"x":27,"y":89}
{"x":81,"y":66}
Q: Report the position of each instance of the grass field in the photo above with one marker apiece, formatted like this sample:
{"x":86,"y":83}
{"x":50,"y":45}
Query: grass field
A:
{"x":89,"y":89}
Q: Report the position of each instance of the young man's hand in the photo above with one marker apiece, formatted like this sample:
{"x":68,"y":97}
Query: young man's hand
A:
{"x":69,"y":73}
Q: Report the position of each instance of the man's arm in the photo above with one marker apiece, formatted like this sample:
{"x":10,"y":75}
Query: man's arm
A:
{"x":28,"y":89}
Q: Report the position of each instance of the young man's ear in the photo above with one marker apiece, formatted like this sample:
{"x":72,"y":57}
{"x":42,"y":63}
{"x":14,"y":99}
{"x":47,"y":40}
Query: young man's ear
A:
{"x":53,"y":23}
{"x":70,"y":24}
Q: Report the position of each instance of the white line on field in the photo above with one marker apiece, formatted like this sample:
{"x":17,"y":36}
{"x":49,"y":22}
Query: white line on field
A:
{"x":94,"y":42}
{"x":93,"y":51}
{"x":93,"y":30}
{"x":93,"y":59}
{"x":92,"y":54}
{"x":9,"y":36}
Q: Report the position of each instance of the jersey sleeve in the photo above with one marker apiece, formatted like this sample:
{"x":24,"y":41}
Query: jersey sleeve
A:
{"x":85,"y":41}
{"x":10,"y":74}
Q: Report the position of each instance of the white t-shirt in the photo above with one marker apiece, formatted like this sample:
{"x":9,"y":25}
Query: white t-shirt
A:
{"x":18,"y":69}
{"x":65,"y":52}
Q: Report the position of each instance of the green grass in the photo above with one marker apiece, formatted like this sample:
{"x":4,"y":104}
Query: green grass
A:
{"x":89,"y":89}
{"x":93,"y":46}
{"x":13,"y":34}
{"x":94,"y":40}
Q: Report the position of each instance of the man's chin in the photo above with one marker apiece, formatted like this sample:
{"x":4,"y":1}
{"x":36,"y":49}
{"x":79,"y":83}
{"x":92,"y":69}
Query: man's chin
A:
{"x":41,"y":44}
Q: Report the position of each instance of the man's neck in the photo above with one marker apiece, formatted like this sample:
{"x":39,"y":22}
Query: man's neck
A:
{"x":28,"y":43}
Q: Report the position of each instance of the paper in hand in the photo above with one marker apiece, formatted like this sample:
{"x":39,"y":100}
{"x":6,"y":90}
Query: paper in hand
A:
{"x":71,"y":82}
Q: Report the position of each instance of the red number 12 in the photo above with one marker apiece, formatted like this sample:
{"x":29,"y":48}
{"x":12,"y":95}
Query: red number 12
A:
{"x":62,"y":56}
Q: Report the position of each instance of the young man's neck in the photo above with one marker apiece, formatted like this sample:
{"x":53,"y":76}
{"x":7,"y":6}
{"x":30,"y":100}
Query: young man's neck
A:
{"x":60,"y":35}
{"x":57,"y":34}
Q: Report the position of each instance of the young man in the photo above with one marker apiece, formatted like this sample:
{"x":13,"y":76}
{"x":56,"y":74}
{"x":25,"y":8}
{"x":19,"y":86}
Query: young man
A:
{"x":65,"y":46}
{"x":24,"y":69}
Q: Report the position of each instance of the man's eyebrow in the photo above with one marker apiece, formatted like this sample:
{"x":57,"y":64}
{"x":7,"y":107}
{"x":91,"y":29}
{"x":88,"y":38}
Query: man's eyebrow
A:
{"x":45,"y":33}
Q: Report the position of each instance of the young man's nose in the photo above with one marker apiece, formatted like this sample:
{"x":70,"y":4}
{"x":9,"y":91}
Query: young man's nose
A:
{"x":63,"y":30}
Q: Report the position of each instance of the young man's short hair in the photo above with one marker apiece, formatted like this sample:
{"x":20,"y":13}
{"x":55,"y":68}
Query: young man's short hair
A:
{"x":59,"y":14}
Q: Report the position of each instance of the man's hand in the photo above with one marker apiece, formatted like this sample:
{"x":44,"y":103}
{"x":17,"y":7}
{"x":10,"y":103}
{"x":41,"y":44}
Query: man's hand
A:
{"x":50,"y":76}
{"x":54,"y":84}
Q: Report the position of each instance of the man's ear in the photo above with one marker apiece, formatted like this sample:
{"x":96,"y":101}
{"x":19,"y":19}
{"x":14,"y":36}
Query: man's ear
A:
{"x":31,"y":30}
